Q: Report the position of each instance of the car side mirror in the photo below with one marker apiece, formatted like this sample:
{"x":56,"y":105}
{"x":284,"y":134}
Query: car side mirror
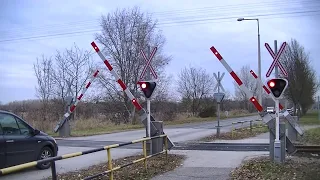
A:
{"x":36,"y":132}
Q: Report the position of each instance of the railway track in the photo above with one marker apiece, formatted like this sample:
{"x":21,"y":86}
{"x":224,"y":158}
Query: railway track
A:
{"x":240,"y":147}
{"x":308,"y":148}
{"x":194,"y":146}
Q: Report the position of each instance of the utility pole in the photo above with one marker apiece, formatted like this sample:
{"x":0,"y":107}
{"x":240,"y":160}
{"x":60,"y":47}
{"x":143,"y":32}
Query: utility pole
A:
{"x":259,"y":63}
{"x":218,"y":129}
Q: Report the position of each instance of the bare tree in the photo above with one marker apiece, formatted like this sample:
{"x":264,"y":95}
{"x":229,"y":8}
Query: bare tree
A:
{"x":194,"y":84}
{"x":43,"y":70}
{"x":80,"y":67}
{"x":109,"y":87}
{"x":301,"y":77}
{"x":161,"y":92}
{"x":124,"y":34}
{"x":247,"y":80}
{"x":72,"y":67}
{"x":60,"y":76}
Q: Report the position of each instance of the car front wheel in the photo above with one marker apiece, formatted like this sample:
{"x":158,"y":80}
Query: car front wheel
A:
{"x":45,"y":152}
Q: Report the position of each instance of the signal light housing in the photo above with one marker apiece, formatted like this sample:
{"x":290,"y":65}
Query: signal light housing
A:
{"x":277,"y":86}
{"x":147,"y":87}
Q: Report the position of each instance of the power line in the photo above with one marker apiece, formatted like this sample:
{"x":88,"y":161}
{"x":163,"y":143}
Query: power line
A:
{"x":196,"y":21}
{"x":240,"y":6}
{"x":173,"y":19}
{"x":169,"y":14}
{"x":76,"y":33}
{"x":273,"y":3}
{"x":263,"y":17}
{"x":234,"y":17}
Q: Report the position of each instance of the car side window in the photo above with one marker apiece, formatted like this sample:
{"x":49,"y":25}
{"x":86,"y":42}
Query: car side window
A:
{"x":24,"y":129}
{"x":9,"y":125}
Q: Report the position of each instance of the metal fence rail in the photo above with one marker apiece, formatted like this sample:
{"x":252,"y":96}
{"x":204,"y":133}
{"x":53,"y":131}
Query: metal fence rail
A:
{"x":233,"y":130}
{"x":110,"y":170}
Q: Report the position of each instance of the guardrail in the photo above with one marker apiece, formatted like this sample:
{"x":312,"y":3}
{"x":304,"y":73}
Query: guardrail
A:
{"x":251,"y":127}
{"x":110,"y":170}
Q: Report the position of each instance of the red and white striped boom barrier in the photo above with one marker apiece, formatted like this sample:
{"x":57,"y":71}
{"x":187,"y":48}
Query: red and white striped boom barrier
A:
{"x":73,"y":107}
{"x":142,"y":112}
{"x":285,"y":113}
{"x":238,"y":80}
{"x":265,"y":117}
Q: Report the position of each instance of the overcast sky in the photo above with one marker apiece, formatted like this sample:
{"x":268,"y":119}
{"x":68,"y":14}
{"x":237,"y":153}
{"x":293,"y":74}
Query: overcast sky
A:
{"x":29,"y":29}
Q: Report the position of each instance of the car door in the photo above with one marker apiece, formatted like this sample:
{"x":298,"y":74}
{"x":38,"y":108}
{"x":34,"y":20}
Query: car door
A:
{"x":20,"y":144}
{"x":2,"y":150}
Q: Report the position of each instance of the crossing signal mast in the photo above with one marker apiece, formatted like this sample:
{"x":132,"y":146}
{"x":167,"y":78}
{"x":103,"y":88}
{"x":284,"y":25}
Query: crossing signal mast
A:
{"x":277,"y":86}
{"x":148,"y":86}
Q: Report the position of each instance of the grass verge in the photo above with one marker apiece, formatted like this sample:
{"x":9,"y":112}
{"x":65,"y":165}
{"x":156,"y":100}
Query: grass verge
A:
{"x":87,"y":128}
{"x":311,"y":136}
{"x":198,"y":119}
{"x":310,"y":119}
{"x":242,"y":133}
{"x":301,"y":168}
{"x":155,"y":166}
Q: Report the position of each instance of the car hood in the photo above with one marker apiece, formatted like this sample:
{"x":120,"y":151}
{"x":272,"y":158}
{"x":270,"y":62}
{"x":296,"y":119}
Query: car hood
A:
{"x":43,"y":134}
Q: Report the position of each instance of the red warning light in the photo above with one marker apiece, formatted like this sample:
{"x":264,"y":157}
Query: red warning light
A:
{"x":271,"y":84}
{"x":143,"y":85}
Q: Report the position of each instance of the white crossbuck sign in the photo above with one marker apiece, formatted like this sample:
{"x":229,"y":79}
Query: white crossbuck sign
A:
{"x":276,"y":58}
{"x":148,"y":64}
{"x":219,"y":79}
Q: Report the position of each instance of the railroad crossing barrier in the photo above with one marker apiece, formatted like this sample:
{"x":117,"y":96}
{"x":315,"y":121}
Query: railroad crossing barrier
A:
{"x":9,"y":170}
{"x":251,"y":127}
{"x":266,"y":117}
{"x":141,"y":111}
{"x":290,"y":130}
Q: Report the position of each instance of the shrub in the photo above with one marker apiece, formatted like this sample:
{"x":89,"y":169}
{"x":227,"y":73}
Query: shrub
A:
{"x":209,"y":111}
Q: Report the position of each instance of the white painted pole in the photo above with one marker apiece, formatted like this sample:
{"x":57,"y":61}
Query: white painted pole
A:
{"x":148,"y":118}
{"x":277,"y":122}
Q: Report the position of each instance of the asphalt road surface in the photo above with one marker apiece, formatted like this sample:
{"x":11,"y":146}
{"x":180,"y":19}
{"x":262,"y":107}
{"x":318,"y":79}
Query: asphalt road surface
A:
{"x":177,"y":133}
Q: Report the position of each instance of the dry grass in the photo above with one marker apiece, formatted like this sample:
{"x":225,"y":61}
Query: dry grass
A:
{"x":301,"y":168}
{"x":239,"y":134}
{"x":155,"y":166}
{"x":310,"y":118}
{"x":311,"y":136}
{"x":96,"y":126}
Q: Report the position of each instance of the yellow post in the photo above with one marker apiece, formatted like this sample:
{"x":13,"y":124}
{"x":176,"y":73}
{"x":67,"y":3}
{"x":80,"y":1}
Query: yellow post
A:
{"x":145,"y":154}
{"x":166,"y":146}
{"x":110,"y":163}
